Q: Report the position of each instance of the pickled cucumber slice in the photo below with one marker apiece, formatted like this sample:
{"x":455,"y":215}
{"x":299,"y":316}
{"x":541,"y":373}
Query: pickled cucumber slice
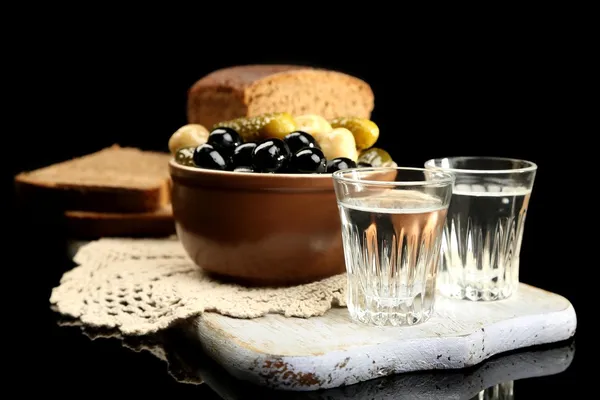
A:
{"x":376,"y":157}
{"x":185,"y":156}
{"x":261,"y":126}
{"x":365,"y":131}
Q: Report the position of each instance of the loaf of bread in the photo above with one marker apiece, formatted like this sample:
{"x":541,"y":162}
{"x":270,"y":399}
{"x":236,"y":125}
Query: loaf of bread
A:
{"x":92,"y":225}
{"x":114,"y":179}
{"x":245,"y":91}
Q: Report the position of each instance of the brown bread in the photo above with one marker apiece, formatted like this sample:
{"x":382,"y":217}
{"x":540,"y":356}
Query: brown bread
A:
{"x":251,"y":90}
{"x":90,"y":225}
{"x":114,"y":179}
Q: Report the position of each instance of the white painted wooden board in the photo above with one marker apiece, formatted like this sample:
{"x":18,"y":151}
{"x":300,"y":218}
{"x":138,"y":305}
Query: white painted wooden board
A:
{"x":331,"y":350}
{"x":452,"y":384}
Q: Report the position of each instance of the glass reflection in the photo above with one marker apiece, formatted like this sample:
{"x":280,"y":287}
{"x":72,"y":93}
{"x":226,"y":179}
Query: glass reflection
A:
{"x":501,"y":391}
{"x":491,"y":380}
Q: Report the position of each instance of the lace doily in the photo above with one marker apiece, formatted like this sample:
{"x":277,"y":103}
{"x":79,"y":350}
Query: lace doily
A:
{"x":141,"y":286}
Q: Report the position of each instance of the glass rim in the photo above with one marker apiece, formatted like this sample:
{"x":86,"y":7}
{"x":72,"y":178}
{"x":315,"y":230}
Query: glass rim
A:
{"x":444,"y":177}
{"x":530,"y":165}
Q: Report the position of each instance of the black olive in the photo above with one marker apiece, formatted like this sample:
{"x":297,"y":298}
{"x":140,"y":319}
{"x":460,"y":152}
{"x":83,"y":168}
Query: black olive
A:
{"x":270,"y":155}
{"x":299,"y":140}
{"x":206,"y":156}
{"x":340,"y":163}
{"x":225,"y":140}
{"x":308,"y":161}
{"x":242,"y":155}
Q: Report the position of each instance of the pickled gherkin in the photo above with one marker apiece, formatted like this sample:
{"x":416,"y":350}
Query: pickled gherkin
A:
{"x":185,"y":156}
{"x":376,"y":157}
{"x":278,"y":127}
{"x":365,"y":131}
{"x":272,"y":125}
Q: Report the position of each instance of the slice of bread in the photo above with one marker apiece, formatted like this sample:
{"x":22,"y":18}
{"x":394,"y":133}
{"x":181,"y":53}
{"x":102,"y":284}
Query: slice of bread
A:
{"x":91,"y":225}
{"x":250,"y":90}
{"x":114,"y":179}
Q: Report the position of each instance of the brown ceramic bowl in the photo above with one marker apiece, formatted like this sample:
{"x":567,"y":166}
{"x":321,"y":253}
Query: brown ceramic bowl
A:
{"x":259,"y":229}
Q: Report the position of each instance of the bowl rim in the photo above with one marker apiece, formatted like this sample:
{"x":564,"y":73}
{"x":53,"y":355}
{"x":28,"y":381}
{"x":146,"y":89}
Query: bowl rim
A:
{"x":247,"y":175}
{"x":250,"y":175}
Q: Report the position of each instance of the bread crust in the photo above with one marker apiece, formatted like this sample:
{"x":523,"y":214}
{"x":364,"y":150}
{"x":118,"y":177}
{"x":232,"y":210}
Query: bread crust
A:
{"x":53,"y":185}
{"x":233,"y":92}
{"x":90,"y":225}
{"x":237,"y":79}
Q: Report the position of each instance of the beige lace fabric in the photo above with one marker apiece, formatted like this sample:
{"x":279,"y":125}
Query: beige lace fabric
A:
{"x":141,"y":286}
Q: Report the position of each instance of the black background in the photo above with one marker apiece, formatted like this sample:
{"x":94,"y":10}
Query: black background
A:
{"x":508,"y":92}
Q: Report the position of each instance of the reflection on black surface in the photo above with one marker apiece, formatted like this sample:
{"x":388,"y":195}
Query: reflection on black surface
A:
{"x":501,"y":391}
{"x":492,"y":380}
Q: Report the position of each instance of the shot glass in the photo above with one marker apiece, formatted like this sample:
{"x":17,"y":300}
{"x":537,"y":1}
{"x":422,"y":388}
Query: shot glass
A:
{"x":484,"y":227}
{"x":392,"y":221}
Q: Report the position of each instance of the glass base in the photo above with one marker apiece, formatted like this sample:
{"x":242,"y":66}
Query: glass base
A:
{"x":379,"y":311}
{"x":369,"y":317}
{"x":476,"y":293}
